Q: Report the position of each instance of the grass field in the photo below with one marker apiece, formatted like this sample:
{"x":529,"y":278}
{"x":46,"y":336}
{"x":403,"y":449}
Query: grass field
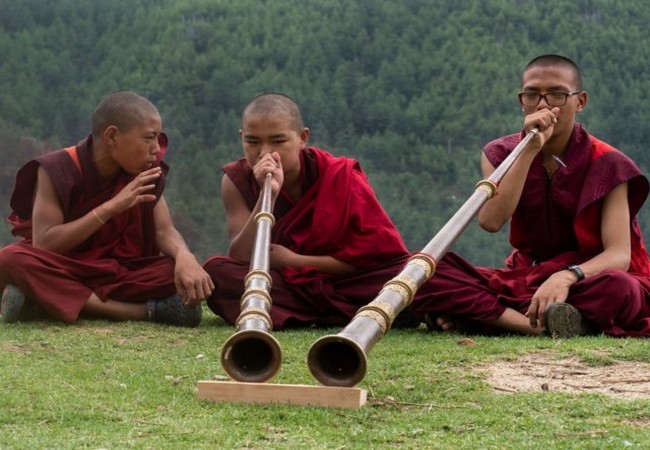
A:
{"x":102,"y":385}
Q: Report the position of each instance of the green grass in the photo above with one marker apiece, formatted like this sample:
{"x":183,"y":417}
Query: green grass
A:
{"x":102,"y":385}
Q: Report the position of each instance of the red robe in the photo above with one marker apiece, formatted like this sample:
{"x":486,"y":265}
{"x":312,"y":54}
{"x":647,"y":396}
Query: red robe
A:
{"x":558,"y":222}
{"x":120,"y":261}
{"x":338,"y":215}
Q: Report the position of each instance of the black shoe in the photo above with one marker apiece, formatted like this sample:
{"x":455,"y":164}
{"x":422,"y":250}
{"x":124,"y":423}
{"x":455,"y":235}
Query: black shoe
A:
{"x":16,"y":307}
{"x":565,"y":321}
{"x":171,"y":311}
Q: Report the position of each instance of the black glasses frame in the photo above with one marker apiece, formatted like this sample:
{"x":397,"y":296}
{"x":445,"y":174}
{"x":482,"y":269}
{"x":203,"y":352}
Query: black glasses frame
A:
{"x":545,"y":97}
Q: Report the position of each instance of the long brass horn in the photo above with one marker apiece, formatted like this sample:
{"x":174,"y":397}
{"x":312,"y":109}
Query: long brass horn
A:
{"x":252,"y":354}
{"x":340,"y":359}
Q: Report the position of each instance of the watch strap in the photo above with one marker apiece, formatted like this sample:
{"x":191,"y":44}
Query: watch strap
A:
{"x":577,"y":270}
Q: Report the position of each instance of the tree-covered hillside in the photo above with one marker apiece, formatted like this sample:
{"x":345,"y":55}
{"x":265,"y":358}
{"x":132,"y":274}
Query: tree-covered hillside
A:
{"x":411,"y":88}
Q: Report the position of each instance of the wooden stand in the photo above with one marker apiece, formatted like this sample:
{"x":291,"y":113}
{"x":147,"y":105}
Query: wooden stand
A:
{"x":294,"y":394}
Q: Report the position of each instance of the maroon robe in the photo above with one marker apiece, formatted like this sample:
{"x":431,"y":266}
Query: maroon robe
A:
{"x":556,"y":223}
{"x":338,"y":215}
{"x":119,"y":261}
{"x":337,"y":200}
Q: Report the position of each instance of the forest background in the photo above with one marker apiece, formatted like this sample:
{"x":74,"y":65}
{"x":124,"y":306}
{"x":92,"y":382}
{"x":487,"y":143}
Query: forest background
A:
{"x":413,"y":89}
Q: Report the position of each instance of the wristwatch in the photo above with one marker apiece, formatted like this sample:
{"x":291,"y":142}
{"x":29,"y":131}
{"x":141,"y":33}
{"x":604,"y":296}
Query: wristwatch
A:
{"x":577,"y":270}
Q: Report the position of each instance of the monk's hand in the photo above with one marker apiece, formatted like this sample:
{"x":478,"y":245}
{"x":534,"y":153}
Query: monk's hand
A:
{"x":281,"y":257}
{"x":554,"y":290}
{"x":193,"y":283}
{"x":270,"y":163}
{"x":544,"y":120}
{"x":137,"y":191}
{"x":534,"y":311}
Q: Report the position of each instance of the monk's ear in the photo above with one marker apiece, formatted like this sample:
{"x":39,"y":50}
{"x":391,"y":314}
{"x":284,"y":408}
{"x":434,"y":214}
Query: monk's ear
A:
{"x":110,"y":134}
{"x":582,"y":101}
{"x":304,"y":136}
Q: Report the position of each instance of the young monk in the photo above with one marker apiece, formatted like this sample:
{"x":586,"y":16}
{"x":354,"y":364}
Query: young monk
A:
{"x":332,"y":246}
{"x":579,"y":260}
{"x":94,"y":222}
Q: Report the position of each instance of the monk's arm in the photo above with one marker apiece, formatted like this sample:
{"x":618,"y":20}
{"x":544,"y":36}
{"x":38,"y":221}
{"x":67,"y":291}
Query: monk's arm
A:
{"x":497,"y":211}
{"x":615,"y":234}
{"x":168,"y":239}
{"x":283,"y":257}
{"x":240,"y":221}
{"x":49,"y":232}
{"x":192,"y":282}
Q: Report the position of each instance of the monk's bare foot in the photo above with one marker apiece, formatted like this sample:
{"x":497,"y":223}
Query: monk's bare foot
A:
{"x":445,"y":323}
{"x":439,"y":323}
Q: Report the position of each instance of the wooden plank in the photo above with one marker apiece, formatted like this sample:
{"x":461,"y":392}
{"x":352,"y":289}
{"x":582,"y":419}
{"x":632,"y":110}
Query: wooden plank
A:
{"x":294,"y":394}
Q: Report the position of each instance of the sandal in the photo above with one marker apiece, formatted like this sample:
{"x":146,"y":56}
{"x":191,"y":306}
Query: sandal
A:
{"x":171,"y":311}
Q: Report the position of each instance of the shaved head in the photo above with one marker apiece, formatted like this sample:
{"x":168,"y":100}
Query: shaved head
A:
{"x":551,"y":60}
{"x":123,"y":109}
{"x":272,"y":104}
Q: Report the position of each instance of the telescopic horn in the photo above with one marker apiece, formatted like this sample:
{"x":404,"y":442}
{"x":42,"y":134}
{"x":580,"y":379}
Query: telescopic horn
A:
{"x":252,"y":354}
{"x":340,"y":360}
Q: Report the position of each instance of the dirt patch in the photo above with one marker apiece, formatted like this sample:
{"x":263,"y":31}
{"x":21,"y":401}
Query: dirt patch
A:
{"x":15,"y":348}
{"x":542,"y":372}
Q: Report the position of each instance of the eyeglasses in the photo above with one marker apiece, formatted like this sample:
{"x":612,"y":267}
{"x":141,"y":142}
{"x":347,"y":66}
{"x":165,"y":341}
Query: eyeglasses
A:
{"x":551,"y":98}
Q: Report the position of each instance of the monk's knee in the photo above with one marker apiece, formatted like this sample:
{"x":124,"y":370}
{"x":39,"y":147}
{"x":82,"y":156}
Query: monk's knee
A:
{"x":218,"y":265}
{"x":617,"y":286}
{"x":611,"y":297}
{"x":227,"y":274}
{"x":10,"y":260}
{"x":8,"y":255}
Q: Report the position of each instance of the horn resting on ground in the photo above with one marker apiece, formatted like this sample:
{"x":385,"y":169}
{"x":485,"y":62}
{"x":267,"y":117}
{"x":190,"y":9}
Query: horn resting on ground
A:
{"x":340,"y":359}
{"x":252,"y":354}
